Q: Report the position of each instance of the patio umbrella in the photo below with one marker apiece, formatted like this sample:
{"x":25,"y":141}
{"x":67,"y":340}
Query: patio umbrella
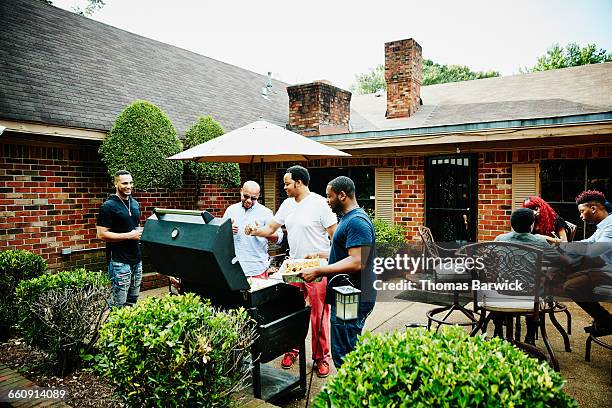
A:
{"x":259,"y":142}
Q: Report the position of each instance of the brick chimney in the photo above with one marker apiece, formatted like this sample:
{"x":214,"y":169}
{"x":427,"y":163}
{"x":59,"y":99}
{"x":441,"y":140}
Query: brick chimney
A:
{"x":318,"y":108}
{"x":403,"y":72}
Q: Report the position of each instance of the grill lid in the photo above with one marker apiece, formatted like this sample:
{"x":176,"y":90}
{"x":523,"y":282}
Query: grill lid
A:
{"x":194,"y":246}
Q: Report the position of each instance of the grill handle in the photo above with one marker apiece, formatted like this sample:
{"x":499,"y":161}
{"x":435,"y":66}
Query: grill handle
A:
{"x":160,"y":212}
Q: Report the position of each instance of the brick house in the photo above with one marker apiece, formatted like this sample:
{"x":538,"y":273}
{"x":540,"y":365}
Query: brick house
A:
{"x":456,"y":157}
{"x":63,"y":81}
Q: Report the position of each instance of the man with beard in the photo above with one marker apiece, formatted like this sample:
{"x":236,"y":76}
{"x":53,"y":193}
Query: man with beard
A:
{"x":352,"y":252}
{"x":310,"y":224}
{"x":117,"y":225}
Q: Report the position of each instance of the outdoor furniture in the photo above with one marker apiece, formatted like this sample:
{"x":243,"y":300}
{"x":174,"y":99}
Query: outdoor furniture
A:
{"x":503,"y":263}
{"x":604,"y":291}
{"x":445,"y":275}
{"x":556,"y":307}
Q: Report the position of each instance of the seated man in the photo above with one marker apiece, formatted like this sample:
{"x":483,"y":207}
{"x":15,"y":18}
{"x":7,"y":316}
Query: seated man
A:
{"x":522,"y":222}
{"x":251,"y":251}
{"x":579,"y":285}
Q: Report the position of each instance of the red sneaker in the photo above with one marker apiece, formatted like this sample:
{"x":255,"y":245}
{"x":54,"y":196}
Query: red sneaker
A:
{"x":322,"y":368}
{"x":288,"y":360}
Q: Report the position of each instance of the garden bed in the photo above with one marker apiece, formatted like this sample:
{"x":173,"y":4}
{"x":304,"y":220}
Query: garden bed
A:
{"x":85,"y":389}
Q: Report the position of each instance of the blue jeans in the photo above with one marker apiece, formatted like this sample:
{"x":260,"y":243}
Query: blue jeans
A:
{"x":125,"y":280}
{"x":344,"y":333}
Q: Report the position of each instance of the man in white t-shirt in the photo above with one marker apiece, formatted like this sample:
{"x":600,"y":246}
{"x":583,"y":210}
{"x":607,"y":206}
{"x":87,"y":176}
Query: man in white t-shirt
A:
{"x":310,"y":225}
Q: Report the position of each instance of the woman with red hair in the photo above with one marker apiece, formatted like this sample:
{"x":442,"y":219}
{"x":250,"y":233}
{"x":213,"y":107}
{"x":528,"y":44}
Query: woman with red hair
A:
{"x":547,"y":222}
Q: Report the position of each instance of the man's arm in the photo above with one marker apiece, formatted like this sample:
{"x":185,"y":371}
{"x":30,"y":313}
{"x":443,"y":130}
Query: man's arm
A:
{"x":265,"y":231}
{"x":330,"y":230}
{"x":106,"y":235}
{"x":349,"y":265}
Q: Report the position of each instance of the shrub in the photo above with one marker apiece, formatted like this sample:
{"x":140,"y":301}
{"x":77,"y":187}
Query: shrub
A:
{"x":60,"y":313}
{"x":175,"y":351}
{"x":139,"y":141}
{"x":15,"y":266}
{"x":450,"y":369}
{"x":389,"y":237}
{"x":205,"y":129}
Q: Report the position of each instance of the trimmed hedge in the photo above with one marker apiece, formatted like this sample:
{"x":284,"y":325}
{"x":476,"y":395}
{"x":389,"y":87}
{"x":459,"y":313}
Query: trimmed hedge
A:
{"x":177,"y":351}
{"x":225,"y":174}
{"x":15,"y":266}
{"x":140,"y":140}
{"x":420,"y":368}
{"x":60,"y":313}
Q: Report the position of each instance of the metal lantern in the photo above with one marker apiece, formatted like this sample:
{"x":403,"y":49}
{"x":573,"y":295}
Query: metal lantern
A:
{"x":347,"y":302}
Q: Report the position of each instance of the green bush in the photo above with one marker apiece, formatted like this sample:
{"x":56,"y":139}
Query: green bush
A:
{"x":140,"y":141}
{"x":390,"y":238}
{"x":225,"y":174}
{"x":176,"y":351}
{"x":420,"y":368}
{"x":15,"y":266}
{"x":60,"y":313}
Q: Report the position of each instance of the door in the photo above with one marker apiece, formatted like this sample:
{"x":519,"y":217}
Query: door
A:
{"x":451,"y":192}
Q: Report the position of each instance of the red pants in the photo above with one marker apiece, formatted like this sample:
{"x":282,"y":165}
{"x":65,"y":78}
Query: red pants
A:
{"x":315,"y":293}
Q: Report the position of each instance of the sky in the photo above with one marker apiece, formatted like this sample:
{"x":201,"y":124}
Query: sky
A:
{"x":303,"y":41}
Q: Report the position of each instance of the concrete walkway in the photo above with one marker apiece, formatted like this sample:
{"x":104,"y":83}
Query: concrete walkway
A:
{"x":587,"y":382}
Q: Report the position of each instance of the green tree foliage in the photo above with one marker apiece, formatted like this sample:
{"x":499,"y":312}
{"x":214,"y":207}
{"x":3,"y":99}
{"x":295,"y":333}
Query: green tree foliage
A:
{"x":369,"y":82}
{"x":439,"y":74}
{"x":205,"y":129}
{"x":139,"y":141}
{"x":571,"y":56}
{"x":433,"y":73}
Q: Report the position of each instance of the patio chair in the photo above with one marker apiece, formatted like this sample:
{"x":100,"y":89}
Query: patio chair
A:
{"x":557,"y":307}
{"x":446,"y":275}
{"x":509,"y":262}
{"x":604,"y":291}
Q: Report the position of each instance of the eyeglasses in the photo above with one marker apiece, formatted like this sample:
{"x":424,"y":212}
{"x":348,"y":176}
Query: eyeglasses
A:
{"x":253,"y":198}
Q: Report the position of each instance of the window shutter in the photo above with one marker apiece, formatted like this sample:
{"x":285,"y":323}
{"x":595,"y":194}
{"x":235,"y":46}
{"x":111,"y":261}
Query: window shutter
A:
{"x":270,"y":189}
{"x":525,"y":183}
{"x":383,"y":190}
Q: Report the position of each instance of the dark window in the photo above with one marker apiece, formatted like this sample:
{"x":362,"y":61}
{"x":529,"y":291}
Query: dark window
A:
{"x":363,"y":177}
{"x":563,"y":180}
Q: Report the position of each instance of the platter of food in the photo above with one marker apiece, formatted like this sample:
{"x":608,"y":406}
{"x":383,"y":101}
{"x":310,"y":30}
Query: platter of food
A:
{"x":291,"y":268}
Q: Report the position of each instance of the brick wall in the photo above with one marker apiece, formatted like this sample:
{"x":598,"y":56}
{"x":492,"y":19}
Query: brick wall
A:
{"x":50,"y":196}
{"x":318,"y":108}
{"x":403,"y":72}
{"x":495,"y":182}
{"x":410,"y":195}
{"x":494,"y":194}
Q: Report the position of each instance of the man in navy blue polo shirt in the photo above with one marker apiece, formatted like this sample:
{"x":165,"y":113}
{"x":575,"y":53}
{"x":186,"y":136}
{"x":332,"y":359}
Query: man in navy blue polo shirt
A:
{"x":117,"y":225}
{"x":352,"y":252}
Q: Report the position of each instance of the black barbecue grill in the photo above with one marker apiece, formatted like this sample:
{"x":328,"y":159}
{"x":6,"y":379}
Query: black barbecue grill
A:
{"x":199,"y":249}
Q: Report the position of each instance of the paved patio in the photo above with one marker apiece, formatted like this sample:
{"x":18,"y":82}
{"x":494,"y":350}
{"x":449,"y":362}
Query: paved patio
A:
{"x":587,"y":382}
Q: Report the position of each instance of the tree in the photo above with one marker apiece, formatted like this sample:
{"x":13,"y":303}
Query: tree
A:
{"x":91,"y":7}
{"x":139,"y":141}
{"x":226,"y":174}
{"x":570,"y":56}
{"x":370,"y":82}
{"x":433,"y":73}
